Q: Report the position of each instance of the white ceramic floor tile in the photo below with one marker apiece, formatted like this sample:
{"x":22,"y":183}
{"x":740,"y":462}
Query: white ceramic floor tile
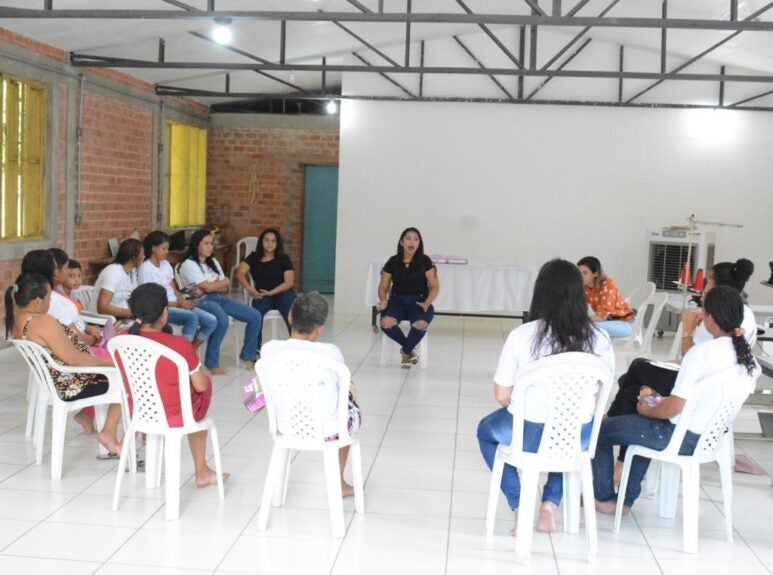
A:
{"x":30,"y":505}
{"x":116,"y":569}
{"x":70,"y":541}
{"x":408,"y":502}
{"x":180,"y":549}
{"x":700,"y":566}
{"x":37,"y":566}
{"x":12,"y":529}
{"x":272,"y":555}
{"x":97,"y":510}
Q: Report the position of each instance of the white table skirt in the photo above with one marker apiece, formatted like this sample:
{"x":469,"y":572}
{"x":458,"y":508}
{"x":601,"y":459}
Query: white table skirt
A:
{"x":471,"y":288}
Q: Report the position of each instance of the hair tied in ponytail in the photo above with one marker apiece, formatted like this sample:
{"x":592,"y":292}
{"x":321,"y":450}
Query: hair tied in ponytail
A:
{"x":15,"y":288}
{"x":739,"y":332}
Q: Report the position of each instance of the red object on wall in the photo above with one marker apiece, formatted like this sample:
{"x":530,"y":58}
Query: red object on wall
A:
{"x":699,"y":280}
{"x":684,"y":279}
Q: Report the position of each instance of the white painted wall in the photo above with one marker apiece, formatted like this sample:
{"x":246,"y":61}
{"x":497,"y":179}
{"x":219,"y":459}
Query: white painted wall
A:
{"x":522,"y":184}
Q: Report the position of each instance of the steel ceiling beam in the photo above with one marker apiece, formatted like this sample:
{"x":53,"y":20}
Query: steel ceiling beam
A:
{"x":91,"y":61}
{"x":163,"y":90}
{"x":391,"y":17}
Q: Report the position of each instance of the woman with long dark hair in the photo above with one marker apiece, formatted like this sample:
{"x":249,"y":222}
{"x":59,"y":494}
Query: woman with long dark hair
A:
{"x":272,"y":275}
{"x":26,"y":306}
{"x":610,"y":310}
{"x":653,"y":425}
{"x":642,"y":372}
{"x":413,"y":278}
{"x":558,"y":323}
{"x":183,"y":312}
{"x":202,"y":274}
{"x":149,"y":306}
{"x":117,"y":281}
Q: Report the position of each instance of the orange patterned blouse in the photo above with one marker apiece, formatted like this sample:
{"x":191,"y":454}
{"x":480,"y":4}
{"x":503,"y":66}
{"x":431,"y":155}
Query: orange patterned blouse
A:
{"x":607,"y":301}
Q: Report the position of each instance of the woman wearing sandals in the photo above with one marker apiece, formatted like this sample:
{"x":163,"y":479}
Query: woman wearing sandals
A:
{"x":415,"y":286}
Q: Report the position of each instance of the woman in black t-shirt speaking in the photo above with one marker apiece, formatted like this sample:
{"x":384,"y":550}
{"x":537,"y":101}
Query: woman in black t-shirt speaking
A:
{"x":272,"y":277}
{"x":414,"y":287}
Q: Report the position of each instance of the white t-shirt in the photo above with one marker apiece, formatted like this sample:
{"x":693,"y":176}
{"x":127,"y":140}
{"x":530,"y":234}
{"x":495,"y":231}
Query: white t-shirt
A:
{"x":749,"y":325}
{"x":114,"y":279}
{"x":193,"y":273}
{"x":63,"y":310}
{"x":162,"y":275}
{"x":517,"y":353}
{"x":699,"y":362}
{"x":328,"y":408}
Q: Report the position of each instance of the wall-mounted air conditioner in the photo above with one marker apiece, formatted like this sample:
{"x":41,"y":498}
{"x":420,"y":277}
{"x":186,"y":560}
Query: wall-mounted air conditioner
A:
{"x":668,"y":253}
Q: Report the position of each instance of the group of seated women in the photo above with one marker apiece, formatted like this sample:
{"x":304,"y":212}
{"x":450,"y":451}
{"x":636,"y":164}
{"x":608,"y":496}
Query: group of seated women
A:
{"x":559,"y":322}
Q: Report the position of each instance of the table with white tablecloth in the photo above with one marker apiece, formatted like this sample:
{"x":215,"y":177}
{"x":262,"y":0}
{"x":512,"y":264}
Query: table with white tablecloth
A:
{"x":471,"y":289}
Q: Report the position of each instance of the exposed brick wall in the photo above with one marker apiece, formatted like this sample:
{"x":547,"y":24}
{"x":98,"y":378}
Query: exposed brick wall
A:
{"x":274,"y":158}
{"x":116,"y":152}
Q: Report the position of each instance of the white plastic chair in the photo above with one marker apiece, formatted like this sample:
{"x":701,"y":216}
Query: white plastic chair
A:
{"x":388,"y":344}
{"x":641,"y":345}
{"x":291,"y":381}
{"x":139,"y":356}
{"x":85,"y":295}
{"x":578,"y":386}
{"x":641,"y":295}
{"x":44,"y":393}
{"x":244,"y":247}
{"x":725,"y":392}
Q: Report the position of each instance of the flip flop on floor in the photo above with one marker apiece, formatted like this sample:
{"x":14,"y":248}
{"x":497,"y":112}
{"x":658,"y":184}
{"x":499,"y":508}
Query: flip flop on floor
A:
{"x":108,"y":456}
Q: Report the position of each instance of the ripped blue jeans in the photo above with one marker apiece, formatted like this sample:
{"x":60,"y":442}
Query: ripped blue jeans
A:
{"x":631,"y":430}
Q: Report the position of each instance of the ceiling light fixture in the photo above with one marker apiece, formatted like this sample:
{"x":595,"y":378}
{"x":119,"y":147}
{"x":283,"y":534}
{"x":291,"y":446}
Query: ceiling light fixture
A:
{"x":222,"y":33}
{"x":331,"y":107}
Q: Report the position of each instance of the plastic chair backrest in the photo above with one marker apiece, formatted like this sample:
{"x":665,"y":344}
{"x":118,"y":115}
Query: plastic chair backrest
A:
{"x":84,"y":295}
{"x":577,"y":385}
{"x":295,"y":378}
{"x":39,"y":360}
{"x":245,"y":247}
{"x":137,"y":357}
{"x":658,"y":302}
{"x":638,"y":301}
{"x":725,"y":391}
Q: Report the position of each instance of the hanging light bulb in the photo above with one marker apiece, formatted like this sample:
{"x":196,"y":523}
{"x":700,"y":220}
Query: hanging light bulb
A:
{"x":222,"y":33}
{"x":331,"y":107}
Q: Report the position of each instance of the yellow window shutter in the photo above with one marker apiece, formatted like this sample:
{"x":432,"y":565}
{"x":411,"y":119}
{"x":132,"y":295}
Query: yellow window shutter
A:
{"x":11,"y":152}
{"x":187,"y":180}
{"x":32,"y":165}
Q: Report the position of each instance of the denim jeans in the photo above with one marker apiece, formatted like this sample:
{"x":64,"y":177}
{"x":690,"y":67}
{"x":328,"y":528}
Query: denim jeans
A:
{"x":631,"y":430}
{"x":222,"y":307}
{"x":281,"y":302}
{"x":193,"y":321}
{"x":496,"y":428}
{"x":616,"y":327}
{"x":402,"y":308}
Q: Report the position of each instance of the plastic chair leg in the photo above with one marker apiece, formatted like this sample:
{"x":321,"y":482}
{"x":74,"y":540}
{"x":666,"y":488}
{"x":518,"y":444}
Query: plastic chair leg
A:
{"x":355,"y":457}
{"x":32,"y":398}
{"x":726,"y":478}
{"x":125,"y":453}
{"x":652,"y":479}
{"x":285,"y":477}
{"x":669,"y":490}
{"x":384,"y":349}
{"x":172,"y":479}
{"x":690,"y":499}
{"x":493,"y":492}
{"x":41,"y":414}
{"x":334,"y":497}
{"x":424,"y":351}
{"x":525,"y":526}
{"x":571,"y":502}
{"x":591,"y":533}
{"x":153,"y":457}
{"x":621,"y":490}
{"x":58,"y":427}
{"x":272,"y":476}
{"x":218,"y":463}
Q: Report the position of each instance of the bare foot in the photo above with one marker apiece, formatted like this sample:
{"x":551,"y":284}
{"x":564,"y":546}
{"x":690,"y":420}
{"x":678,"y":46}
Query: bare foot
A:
{"x":249,"y":365}
{"x":209,"y":478}
{"x":609,"y":507}
{"x":86,"y":422}
{"x":547,"y":521}
{"x":618,"y":472}
{"x":109,"y":443}
{"x":346,"y":489}
{"x":217,"y":370}
{"x":513,"y":531}
{"x":197,"y":343}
